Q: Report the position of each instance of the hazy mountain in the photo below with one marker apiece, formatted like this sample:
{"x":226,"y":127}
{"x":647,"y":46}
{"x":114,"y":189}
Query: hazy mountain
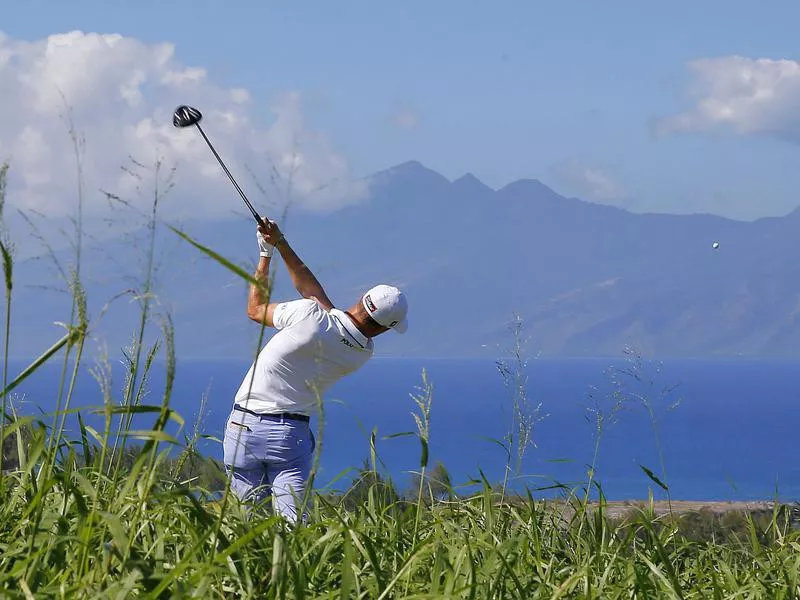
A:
{"x":586,"y":279}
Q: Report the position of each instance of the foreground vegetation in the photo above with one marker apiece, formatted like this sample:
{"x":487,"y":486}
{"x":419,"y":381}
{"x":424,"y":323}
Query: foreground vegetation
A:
{"x":75,"y":533}
{"x":84,"y":515}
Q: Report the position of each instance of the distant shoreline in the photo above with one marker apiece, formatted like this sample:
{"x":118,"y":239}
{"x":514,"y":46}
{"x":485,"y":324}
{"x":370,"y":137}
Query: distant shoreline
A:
{"x":617,"y":508}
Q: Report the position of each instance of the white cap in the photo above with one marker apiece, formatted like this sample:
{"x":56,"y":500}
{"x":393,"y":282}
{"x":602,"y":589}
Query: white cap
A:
{"x":387,"y":306}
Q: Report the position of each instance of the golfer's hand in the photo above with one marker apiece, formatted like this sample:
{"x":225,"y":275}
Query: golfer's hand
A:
{"x":269,"y":236}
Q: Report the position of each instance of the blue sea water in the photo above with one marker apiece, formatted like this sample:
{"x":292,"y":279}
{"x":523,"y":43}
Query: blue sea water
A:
{"x":725,"y":429}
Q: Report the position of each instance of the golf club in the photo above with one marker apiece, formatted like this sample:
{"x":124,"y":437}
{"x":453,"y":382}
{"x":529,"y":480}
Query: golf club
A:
{"x":186,"y":116}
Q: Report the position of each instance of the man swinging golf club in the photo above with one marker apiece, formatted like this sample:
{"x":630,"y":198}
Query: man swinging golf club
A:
{"x":268,"y":443}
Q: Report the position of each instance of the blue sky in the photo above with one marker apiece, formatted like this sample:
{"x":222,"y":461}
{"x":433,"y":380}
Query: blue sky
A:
{"x":598,"y":100}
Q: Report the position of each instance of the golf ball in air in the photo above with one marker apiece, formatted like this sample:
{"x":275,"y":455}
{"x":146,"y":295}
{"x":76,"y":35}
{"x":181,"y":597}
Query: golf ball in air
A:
{"x":715,"y":245}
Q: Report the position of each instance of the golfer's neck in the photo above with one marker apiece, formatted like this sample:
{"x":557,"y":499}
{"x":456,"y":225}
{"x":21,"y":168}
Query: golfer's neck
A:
{"x":362,"y":327}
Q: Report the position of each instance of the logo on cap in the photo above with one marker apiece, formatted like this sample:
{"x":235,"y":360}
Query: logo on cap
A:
{"x":370,"y":304}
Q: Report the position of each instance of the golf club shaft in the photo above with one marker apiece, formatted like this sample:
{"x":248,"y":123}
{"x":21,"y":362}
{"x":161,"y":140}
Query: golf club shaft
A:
{"x":228,"y":173}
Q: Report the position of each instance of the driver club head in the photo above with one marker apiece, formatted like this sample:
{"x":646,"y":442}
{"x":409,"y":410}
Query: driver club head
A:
{"x":186,"y":116}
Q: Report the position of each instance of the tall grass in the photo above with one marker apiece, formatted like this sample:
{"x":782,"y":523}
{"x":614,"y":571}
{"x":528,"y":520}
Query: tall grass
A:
{"x":6,"y":249}
{"x":82,"y":517}
{"x":525,"y":415}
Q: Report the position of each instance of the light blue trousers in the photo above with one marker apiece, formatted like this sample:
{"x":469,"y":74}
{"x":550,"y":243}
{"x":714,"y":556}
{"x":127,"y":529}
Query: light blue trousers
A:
{"x":269,"y":455}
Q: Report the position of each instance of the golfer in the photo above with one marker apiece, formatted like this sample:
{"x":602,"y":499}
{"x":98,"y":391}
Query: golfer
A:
{"x":268,"y":443}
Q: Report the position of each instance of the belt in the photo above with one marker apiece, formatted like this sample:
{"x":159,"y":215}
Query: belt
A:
{"x":283,"y":415}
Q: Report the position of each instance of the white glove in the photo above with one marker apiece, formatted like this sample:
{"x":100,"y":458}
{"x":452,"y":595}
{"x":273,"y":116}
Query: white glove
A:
{"x":264,"y":249}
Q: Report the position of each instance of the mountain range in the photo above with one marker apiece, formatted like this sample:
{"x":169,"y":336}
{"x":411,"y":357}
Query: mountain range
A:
{"x":580,"y":278}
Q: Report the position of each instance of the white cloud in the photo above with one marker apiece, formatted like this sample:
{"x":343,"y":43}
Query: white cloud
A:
{"x":588,"y":182}
{"x":120,"y":94}
{"x":742,"y":95}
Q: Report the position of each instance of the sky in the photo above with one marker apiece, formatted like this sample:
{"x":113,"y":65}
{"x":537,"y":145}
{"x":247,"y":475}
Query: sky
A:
{"x":676,"y":107}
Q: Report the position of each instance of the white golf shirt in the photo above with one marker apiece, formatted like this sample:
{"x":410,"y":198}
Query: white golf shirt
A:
{"x":312,"y":350}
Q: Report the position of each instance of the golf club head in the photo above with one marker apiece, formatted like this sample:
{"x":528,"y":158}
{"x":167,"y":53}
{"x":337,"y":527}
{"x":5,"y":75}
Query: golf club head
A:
{"x":186,"y":116}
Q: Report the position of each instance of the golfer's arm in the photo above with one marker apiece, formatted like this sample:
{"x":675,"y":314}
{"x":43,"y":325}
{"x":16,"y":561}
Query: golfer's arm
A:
{"x":303,"y":279}
{"x":258,"y":307}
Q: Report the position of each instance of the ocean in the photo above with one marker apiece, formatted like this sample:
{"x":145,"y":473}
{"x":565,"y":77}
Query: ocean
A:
{"x":708,"y":429}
